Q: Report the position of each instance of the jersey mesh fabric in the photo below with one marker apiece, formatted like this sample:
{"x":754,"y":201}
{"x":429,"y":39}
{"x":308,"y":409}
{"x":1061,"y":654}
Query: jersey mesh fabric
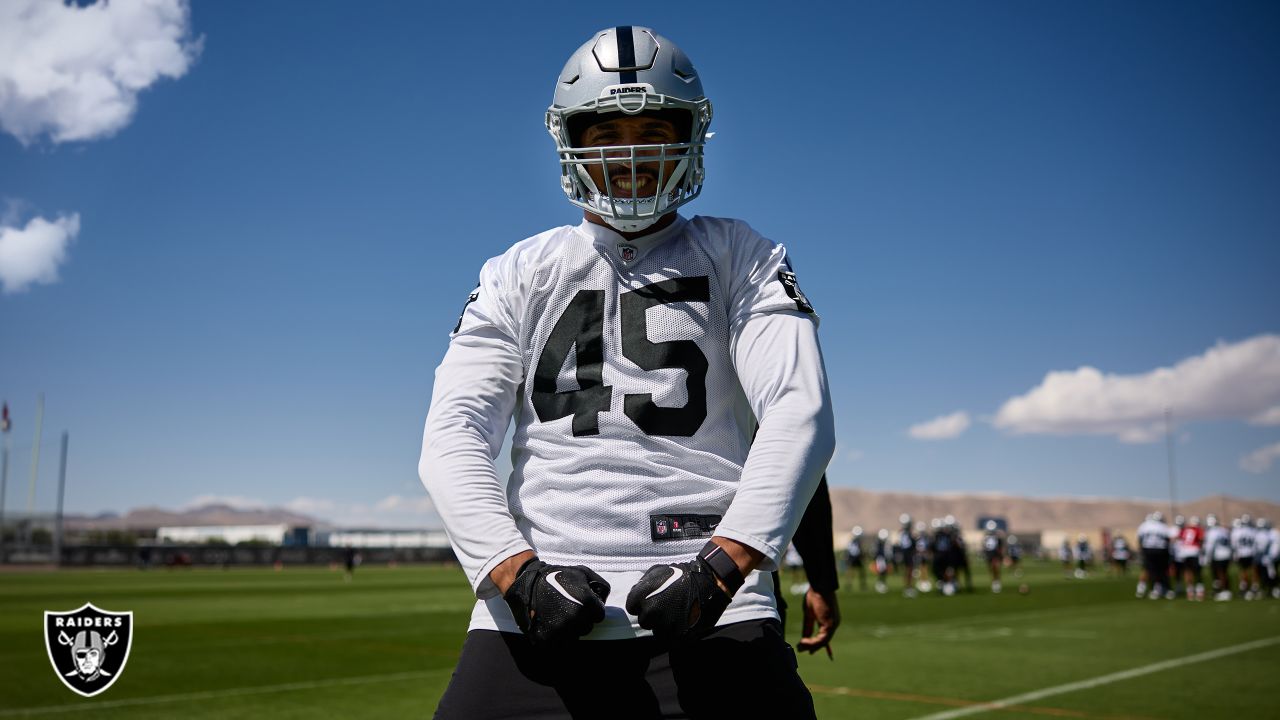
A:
{"x":586,"y":497}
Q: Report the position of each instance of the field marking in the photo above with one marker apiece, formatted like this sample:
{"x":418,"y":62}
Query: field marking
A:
{"x":1101,"y":680}
{"x":228,"y":692}
{"x":957,"y":702}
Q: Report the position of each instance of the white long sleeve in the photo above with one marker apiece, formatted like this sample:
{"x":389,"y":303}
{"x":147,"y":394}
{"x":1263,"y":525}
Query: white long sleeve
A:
{"x":779,"y":364}
{"x":471,"y":406}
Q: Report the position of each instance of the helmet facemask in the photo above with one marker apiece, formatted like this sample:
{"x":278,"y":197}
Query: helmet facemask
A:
{"x":677,"y":168}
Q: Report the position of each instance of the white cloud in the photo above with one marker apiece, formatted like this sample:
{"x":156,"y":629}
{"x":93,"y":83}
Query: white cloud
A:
{"x":74,"y":73}
{"x":943,"y":427}
{"x":1260,"y":460}
{"x":1228,"y":381}
{"x":310,"y":506}
{"x":1270,"y":416}
{"x":32,"y":254}
{"x":238,"y":502}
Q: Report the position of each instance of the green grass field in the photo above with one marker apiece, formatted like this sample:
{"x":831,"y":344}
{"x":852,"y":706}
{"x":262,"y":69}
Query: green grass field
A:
{"x":302,"y":643}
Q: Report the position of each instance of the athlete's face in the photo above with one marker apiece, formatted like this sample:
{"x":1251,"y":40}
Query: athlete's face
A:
{"x":624,"y":130}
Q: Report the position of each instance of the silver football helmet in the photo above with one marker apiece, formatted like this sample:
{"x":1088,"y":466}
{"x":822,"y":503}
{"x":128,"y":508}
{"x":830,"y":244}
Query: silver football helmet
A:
{"x":628,"y":70}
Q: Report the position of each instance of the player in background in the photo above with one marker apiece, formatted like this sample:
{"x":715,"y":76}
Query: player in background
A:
{"x":993,"y":552}
{"x":922,"y":555}
{"x":1269,"y":556}
{"x":959,"y":551}
{"x":1189,"y":546}
{"x":1243,"y":546}
{"x":906,"y":549}
{"x":1065,"y":555}
{"x":941,"y":545}
{"x":625,"y":561}
{"x":1175,"y":556}
{"x":1217,"y":551}
{"x":1120,"y":554}
{"x":1083,"y":556}
{"x":1014,"y":549}
{"x":1153,"y":538}
{"x":854,"y":556}
{"x":883,"y":554}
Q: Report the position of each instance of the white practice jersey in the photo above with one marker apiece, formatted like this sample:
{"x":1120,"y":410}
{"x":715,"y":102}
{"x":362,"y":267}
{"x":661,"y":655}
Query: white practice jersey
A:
{"x":635,"y":372}
{"x":1217,"y":543}
{"x":1261,"y":541}
{"x":1153,"y":535}
{"x":1243,"y":541}
{"x":1272,"y":550}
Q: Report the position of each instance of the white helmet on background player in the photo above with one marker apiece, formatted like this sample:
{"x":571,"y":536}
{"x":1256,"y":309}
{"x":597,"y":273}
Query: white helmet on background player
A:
{"x":629,"y":70}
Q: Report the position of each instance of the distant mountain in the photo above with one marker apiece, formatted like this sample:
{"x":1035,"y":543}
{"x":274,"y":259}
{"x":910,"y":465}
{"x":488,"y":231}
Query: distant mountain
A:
{"x":874,"y":510}
{"x":214,"y":514}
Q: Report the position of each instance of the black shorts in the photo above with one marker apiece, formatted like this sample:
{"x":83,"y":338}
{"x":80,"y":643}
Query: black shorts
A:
{"x":1191,"y":565}
{"x":991,"y":556}
{"x":1244,"y":562}
{"x":855,"y":560}
{"x":500,"y":675}
{"x":1220,"y":567}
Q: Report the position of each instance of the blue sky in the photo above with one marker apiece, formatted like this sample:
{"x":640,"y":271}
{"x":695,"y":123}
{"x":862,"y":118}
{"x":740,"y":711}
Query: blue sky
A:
{"x":273,"y":245}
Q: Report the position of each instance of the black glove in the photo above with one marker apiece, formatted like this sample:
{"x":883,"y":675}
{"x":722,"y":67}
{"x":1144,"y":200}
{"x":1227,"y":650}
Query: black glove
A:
{"x":679,"y":600}
{"x":554,"y":603}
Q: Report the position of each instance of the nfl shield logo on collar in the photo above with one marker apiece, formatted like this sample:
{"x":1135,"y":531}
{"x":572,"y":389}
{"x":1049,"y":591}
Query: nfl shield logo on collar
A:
{"x":88,"y":647}
{"x":627,"y":252}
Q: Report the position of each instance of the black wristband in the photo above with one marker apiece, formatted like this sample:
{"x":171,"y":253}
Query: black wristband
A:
{"x":722,"y":565}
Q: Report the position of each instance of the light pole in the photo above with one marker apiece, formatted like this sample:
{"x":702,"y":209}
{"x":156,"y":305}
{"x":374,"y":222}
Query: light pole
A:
{"x":4,"y":473}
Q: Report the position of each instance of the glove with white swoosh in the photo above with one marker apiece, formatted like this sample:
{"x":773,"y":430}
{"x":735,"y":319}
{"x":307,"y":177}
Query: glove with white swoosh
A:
{"x":678,"y":600}
{"x":554,"y":603}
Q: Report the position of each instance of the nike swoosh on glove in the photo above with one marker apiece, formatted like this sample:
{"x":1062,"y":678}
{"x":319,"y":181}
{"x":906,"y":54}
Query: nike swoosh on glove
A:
{"x":678,"y":601}
{"x":554,"y":603}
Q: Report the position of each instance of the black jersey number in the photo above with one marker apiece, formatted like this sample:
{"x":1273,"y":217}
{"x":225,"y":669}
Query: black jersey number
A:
{"x":581,"y":328}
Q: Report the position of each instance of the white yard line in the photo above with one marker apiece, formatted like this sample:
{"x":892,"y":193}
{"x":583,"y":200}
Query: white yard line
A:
{"x":1101,"y":680}
{"x":228,"y":692}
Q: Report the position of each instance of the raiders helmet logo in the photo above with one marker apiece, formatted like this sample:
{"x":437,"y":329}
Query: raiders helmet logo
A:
{"x":88,"y":647}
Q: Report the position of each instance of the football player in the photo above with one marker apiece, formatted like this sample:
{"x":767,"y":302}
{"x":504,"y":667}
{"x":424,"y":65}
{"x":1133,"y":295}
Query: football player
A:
{"x":1120,"y":555}
{"x":854,"y":555}
{"x":1014,"y":548}
{"x":993,"y":552}
{"x":1268,"y":554}
{"x":1064,"y":556}
{"x":882,"y":556}
{"x":627,"y":555}
{"x":1153,"y":538}
{"x":906,"y":549}
{"x":1083,"y":555}
{"x":1190,"y":545}
{"x":1243,"y":546}
{"x":1175,"y":552}
{"x":1217,"y":550}
{"x":959,"y":552}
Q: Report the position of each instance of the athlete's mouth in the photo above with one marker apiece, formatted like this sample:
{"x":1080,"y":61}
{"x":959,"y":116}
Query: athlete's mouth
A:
{"x":624,"y":183}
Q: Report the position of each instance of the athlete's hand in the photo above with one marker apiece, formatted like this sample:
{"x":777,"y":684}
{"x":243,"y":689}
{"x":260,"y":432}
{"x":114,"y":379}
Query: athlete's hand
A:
{"x":823,"y":611}
{"x":554,"y":603}
{"x":679,"y":600}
